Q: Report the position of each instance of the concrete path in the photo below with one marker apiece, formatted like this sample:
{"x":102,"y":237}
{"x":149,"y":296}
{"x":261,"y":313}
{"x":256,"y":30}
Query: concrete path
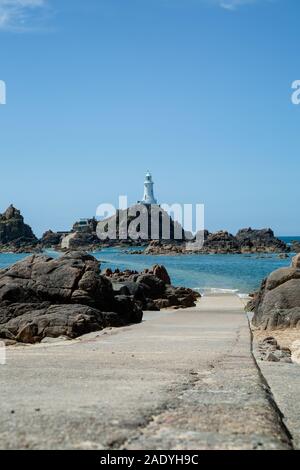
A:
{"x":180,"y":380}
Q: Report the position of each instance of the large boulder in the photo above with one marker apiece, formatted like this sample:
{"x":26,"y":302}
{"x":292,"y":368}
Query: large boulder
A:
{"x":50,"y":239}
{"x":277,"y":303}
{"x":65,"y":296}
{"x":296,"y":262}
{"x":65,"y":280}
{"x":152,"y":288}
{"x":80,"y":241}
{"x":295,"y":246}
{"x":30,"y":323}
{"x":161,"y":272}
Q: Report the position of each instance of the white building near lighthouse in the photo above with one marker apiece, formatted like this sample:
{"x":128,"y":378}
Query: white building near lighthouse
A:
{"x":148,"y":199}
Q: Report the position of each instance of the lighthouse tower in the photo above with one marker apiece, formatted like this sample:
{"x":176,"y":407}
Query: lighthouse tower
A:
{"x":148,"y":198}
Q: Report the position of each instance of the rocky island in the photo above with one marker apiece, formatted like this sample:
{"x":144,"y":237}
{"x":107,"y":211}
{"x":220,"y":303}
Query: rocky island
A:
{"x":15,"y":235}
{"x":18,"y":237}
{"x":222,"y":242}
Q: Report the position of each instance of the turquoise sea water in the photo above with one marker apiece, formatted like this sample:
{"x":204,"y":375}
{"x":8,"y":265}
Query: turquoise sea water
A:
{"x":242,"y":273}
{"x":289,"y":240}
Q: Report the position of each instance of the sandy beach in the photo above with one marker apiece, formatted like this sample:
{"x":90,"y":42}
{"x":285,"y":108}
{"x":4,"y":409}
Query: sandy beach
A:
{"x":285,"y":337}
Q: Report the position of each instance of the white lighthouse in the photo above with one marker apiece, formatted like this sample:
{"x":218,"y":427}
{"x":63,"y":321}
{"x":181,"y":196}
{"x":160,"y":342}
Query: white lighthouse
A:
{"x":148,"y":198}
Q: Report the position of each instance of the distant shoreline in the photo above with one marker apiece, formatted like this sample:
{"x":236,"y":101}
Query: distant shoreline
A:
{"x":18,"y":237}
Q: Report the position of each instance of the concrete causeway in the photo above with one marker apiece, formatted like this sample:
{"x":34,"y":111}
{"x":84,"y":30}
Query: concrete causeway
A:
{"x":181,"y":380}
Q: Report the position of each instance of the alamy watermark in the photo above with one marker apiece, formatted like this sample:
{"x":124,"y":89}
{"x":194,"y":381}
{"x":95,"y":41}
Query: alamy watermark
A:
{"x":296,"y":93}
{"x":145,"y":222}
{"x":2,"y":92}
{"x":2,"y":353}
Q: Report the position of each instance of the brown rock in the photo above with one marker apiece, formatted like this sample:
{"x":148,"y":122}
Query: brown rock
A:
{"x":296,"y":262}
{"x":44,"y":297}
{"x":277,"y":304}
{"x":13,"y":229}
{"x":161,"y":272}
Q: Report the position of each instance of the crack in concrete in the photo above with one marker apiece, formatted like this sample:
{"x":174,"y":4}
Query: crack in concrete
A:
{"x":191,"y":384}
{"x":121,"y":444}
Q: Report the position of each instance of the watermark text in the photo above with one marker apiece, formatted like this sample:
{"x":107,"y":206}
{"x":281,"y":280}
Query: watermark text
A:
{"x":296,"y":94}
{"x":2,"y":92}
{"x":2,"y":353}
{"x":145,"y":222}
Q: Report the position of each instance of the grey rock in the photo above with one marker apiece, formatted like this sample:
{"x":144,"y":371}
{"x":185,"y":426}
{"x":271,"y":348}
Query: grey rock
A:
{"x":157,"y":220}
{"x":277,"y":304}
{"x":270,"y":350}
{"x":50,"y":239}
{"x":43,"y":297}
{"x":155,"y":287}
{"x":15,"y":235}
{"x":152,"y":288}
{"x":161,"y":272}
{"x":296,"y":261}
{"x":12,"y":227}
{"x":272,"y":357}
{"x":295,"y":246}
{"x":280,"y":276}
{"x":251,"y":240}
{"x":245,"y":241}
{"x":53,"y":321}
{"x":221,"y":242}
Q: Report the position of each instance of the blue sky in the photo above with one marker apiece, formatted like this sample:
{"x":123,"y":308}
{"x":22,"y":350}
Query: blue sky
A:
{"x":197,"y":91}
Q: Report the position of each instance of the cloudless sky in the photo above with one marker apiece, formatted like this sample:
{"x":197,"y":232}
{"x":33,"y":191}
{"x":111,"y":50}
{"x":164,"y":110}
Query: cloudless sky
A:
{"x":100,"y":91}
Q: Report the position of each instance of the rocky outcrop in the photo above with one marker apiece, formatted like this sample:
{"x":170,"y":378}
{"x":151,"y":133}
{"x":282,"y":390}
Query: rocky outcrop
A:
{"x":162,"y":274}
{"x":259,"y":241}
{"x":15,"y":235}
{"x":30,"y":323}
{"x":152,"y":288}
{"x":295,"y":246}
{"x":277,"y":303}
{"x":42,"y":297}
{"x":80,"y":241}
{"x":50,"y":239}
{"x":222,"y":242}
{"x":156,"y":232}
{"x":158,"y":247}
{"x":127,"y":228}
{"x":141,"y":223}
{"x":269,"y":350}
